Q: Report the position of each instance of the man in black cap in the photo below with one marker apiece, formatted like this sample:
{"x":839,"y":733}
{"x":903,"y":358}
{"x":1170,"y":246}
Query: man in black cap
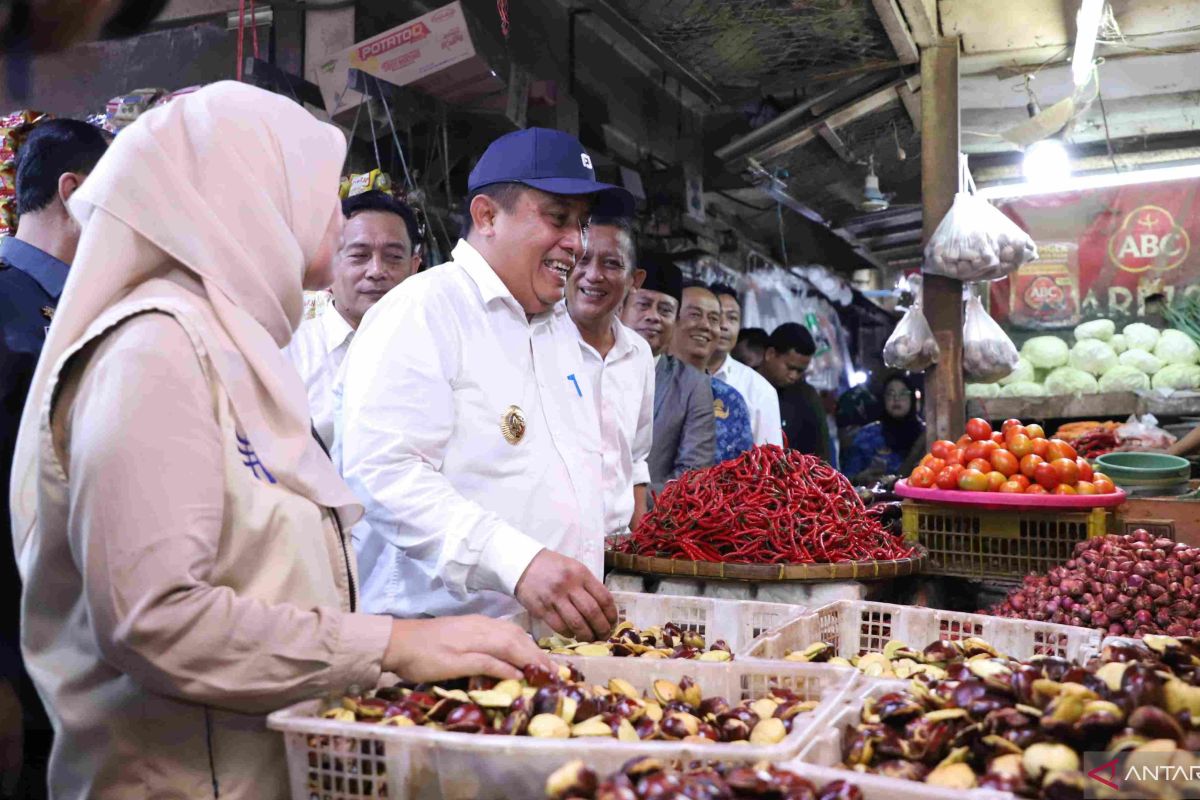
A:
{"x":684,"y":427}
{"x":466,"y":425}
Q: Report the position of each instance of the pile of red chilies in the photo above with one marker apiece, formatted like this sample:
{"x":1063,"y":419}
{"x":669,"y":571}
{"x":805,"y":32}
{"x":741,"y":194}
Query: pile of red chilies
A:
{"x":767,"y":506}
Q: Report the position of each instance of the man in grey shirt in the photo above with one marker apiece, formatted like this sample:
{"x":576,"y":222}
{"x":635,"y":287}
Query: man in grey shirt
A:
{"x":684,"y":428}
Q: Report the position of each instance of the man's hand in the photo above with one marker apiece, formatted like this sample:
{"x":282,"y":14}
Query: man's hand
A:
{"x":566,"y":596}
{"x":12,"y":739}
{"x":422,"y":650}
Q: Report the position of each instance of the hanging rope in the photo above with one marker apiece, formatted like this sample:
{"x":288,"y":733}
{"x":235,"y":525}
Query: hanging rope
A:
{"x":241,"y":35}
{"x":502,"y":10}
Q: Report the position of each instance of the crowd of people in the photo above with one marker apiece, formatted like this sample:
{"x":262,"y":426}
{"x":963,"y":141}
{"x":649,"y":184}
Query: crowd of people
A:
{"x":219,"y":508}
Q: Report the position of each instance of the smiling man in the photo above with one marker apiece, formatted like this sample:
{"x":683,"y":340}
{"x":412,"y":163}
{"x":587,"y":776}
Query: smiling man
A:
{"x":618,"y":366}
{"x":694,"y":343}
{"x":380,"y":248}
{"x":466,"y":427}
{"x":760,"y":396}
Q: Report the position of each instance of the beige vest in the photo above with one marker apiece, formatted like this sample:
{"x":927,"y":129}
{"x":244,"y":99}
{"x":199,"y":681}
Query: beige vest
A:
{"x":114,"y":738}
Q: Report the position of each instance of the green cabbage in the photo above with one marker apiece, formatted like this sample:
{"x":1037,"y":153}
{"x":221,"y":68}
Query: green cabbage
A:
{"x":1102,"y":329}
{"x":982,"y":391}
{"x":1092,"y":355}
{"x":1123,"y":378}
{"x":1022,"y":373}
{"x":1177,"y":376}
{"x":1176,"y":347}
{"x":1046,"y":351}
{"x":1069,"y":380}
{"x":1141,"y":360}
{"x":1023,"y":389}
{"x":1118,"y":343}
{"x":1140,"y":336}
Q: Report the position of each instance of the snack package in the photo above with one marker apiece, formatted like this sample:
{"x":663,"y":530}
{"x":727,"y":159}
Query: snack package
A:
{"x":976,"y":242}
{"x":912,"y":346}
{"x":988,"y":353}
{"x":124,"y":109}
{"x":375,"y":180}
{"x":14,"y":128}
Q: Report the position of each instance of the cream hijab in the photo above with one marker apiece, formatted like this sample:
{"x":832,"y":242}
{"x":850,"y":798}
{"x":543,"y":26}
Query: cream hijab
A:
{"x":235,"y":187}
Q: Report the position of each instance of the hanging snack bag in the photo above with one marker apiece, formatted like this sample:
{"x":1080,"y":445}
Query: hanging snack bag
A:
{"x":988,"y":353}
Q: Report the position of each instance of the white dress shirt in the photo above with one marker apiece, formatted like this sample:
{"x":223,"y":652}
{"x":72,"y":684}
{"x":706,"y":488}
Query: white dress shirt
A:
{"x":317,"y":349}
{"x":759,"y":395}
{"x":623,"y":394}
{"x":454,"y":512}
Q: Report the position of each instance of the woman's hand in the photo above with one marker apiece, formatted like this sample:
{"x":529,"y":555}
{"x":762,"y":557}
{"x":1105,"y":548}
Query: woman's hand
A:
{"x":454,"y":647}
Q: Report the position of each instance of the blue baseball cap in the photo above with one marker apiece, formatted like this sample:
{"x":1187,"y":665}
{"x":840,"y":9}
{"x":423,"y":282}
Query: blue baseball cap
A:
{"x":552,"y":161}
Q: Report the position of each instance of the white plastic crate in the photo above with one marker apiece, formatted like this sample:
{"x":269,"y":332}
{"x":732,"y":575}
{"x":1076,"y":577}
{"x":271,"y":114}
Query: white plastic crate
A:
{"x":825,"y":748}
{"x":857,"y":627}
{"x":329,"y":760}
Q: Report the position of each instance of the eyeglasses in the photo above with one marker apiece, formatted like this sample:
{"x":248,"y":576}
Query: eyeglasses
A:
{"x":897,"y":395}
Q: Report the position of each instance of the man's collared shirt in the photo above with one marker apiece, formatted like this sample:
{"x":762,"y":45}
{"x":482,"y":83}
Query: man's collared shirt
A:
{"x":623,"y":395}
{"x":732,"y":418}
{"x":317,"y":350}
{"x":760,"y":397}
{"x":466,"y":431}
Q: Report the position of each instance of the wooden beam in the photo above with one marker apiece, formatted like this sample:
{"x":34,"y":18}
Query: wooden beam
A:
{"x":940,"y":146}
{"x":922,"y":18}
{"x":831,"y":137}
{"x":897,"y":31}
{"x":912,"y":101}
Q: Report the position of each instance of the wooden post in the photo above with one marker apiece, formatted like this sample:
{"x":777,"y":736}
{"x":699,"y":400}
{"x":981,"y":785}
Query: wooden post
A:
{"x":945,"y":401}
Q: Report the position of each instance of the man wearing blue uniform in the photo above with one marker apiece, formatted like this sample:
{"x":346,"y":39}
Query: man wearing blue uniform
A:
{"x":51,"y":165}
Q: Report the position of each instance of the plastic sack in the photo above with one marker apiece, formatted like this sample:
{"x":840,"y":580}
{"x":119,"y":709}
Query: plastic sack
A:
{"x":1102,"y":329}
{"x":1176,"y":347}
{"x":912,"y":346}
{"x":1124,"y":378}
{"x":1070,"y":381}
{"x":981,"y":391}
{"x":1023,"y":389}
{"x":976,"y":242}
{"x":1143,"y":433}
{"x":1023,"y":372}
{"x":1092,"y":355}
{"x":1046,"y":352}
{"x":988,"y":353}
{"x":1140,"y":336}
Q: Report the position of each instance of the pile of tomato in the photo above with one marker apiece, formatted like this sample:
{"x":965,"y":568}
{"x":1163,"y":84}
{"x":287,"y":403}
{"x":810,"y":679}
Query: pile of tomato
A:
{"x":1017,"y":459}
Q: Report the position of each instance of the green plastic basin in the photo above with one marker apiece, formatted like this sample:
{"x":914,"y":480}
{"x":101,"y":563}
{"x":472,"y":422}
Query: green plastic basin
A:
{"x":1144,"y":468}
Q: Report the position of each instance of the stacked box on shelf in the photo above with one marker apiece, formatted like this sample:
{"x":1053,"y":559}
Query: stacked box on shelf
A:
{"x":354,"y":761}
{"x":738,"y":622}
{"x":997,"y":546}
{"x":854,"y":627}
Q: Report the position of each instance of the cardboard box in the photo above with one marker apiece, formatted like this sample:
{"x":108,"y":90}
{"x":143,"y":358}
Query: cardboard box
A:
{"x":435,"y":53}
{"x":1172,"y":517}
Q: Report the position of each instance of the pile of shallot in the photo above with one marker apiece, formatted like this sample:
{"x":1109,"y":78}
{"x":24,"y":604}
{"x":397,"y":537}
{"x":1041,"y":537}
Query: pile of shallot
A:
{"x":1130,"y":585}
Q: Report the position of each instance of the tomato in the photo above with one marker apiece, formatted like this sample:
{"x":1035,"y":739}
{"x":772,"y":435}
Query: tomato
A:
{"x":935,"y":464}
{"x":1011,"y":487}
{"x":1021,"y":479}
{"x":1005,"y":463}
{"x":1103,"y":484}
{"x":941,"y":448}
{"x":972,"y":480}
{"x":1035,"y":431}
{"x":979,"y":429}
{"x":980,"y":465}
{"x":1059,"y":449}
{"x":980,"y":450}
{"x":998,"y":438}
{"x":1062,"y":488}
{"x":948,"y":477}
{"x":957,"y":456}
{"x":1036,"y":489}
{"x":1041,"y":447}
{"x":1010,"y":423}
{"x":1014,"y":430}
{"x":1085,"y":487}
{"x":1020,"y":445}
{"x":1068,"y":471}
{"x":995,"y":481}
{"x":1085,"y":469}
{"x":1029,"y":465}
{"x":964,"y":440}
{"x":922,"y":478}
{"x":1046,"y":476}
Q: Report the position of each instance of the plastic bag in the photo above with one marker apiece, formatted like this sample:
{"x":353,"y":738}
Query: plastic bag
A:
{"x":976,"y":242}
{"x":1143,"y":433}
{"x":988,"y":353}
{"x":912,"y":346}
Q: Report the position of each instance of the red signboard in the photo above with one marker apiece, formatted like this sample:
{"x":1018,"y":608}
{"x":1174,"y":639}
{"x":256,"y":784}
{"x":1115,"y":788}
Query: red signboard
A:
{"x":1105,"y":253}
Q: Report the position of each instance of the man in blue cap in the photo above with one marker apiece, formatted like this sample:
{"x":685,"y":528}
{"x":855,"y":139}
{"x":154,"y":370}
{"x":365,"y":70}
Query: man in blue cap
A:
{"x":465,"y":425}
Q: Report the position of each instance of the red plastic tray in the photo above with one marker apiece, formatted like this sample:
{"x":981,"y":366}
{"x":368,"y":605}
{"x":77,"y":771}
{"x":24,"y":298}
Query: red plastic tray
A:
{"x":1028,"y":502}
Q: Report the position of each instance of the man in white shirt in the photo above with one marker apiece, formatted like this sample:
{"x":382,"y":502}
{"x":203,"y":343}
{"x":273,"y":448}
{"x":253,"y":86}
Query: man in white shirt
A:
{"x":758,"y":392}
{"x":465,"y":425}
{"x":619,"y":368}
{"x":380,"y":248}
